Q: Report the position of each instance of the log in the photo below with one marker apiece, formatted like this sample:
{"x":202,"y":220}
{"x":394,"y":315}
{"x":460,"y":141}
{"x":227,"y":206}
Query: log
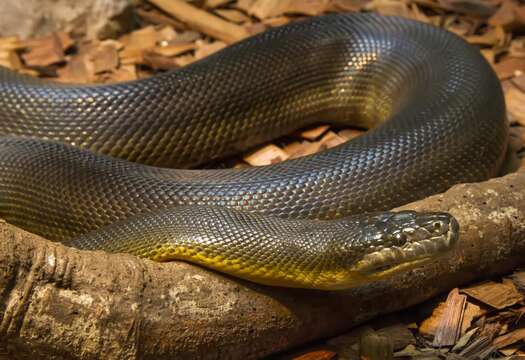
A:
{"x":58,"y":302}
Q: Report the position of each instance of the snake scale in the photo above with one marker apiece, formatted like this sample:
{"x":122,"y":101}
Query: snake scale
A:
{"x":92,"y":166}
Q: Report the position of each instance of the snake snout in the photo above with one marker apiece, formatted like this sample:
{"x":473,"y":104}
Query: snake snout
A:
{"x":408,"y":237}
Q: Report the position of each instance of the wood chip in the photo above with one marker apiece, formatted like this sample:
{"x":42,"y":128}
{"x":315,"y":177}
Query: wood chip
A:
{"x":136,"y":43}
{"x":517,"y":48}
{"x":212,"y":4}
{"x":429,"y":326}
{"x":492,"y":37}
{"x":389,"y":7}
{"x":346,"y":5}
{"x":489,"y":55}
{"x":306,"y":7}
{"x":11,"y":43}
{"x":276,"y":21}
{"x":510,"y":67}
{"x":509,"y":339}
{"x":47,"y":50}
{"x":505,"y":16}
{"x":331,"y":139}
{"x":471,"y":312}
{"x":449,"y":327}
{"x":316,"y":355}
{"x":510,"y":350}
{"x":233,"y":15}
{"x":315,"y":133}
{"x":10,"y":59}
{"x":304,"y":148}
{"x":105,"y":58}
{"x":203,"y":21}
{"x":350,"y":134}
{"x":244,"y":5}
{"x":124,"y":73}
{"x":160,"y":62}
{"x":494,"y":294}
{"x":270,"y":154}
{"x":80,"y":69}
{"x":166,"y":34}
{"x":482,"y":8}
{"x":173,"y":50}
{"x":255,"y":28}
{"x":156,"y":17}
{"x":185,"y":37}
{"x":263,"y":9}
{"x":515,"y":100}
{"x":205,"y":49}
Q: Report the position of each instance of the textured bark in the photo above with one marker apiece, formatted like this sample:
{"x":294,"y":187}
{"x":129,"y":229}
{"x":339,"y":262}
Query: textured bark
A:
{"x":57,"y":302}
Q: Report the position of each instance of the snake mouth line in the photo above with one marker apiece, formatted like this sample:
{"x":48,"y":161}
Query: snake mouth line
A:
{"x":388,"y":260}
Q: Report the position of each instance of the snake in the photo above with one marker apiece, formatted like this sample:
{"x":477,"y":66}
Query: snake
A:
{"x":115,"y":167}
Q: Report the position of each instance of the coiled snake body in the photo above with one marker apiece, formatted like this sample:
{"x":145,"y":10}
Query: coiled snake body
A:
{"x":436,"y":109}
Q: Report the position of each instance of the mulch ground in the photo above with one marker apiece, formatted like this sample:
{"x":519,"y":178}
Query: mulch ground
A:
{"x":477,"y":322}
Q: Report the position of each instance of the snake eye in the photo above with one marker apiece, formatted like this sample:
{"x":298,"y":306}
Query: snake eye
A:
{"x":400,"y":238}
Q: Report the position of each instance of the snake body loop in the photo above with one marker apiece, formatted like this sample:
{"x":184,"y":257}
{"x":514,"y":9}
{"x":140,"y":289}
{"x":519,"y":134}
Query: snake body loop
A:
{"x":435,"y":106}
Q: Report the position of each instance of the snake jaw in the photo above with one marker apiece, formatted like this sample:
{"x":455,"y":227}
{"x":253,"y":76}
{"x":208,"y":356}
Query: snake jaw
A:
{"x":426,"y":242}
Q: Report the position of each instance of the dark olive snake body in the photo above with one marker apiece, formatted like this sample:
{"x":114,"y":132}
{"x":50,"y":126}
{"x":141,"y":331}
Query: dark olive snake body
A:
{"x":435,"y":105}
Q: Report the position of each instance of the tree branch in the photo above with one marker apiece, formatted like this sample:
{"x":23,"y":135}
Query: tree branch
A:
{"x":58,"y":302}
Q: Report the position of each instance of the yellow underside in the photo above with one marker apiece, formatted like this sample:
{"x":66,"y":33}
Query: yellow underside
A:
{"x":286,"y":276}
{"x":290,"y":275}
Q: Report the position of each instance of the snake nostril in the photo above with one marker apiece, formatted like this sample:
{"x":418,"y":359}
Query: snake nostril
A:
{"x":439,"y":227}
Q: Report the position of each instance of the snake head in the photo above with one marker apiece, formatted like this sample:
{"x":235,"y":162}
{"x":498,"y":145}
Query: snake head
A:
{"x":395,"y":241}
